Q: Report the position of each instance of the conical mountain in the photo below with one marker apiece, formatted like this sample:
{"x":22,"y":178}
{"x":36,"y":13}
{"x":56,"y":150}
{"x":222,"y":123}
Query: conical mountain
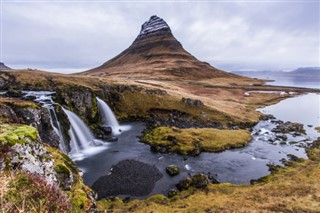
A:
{"x":4,"y":67}
{"x":157,"y":54}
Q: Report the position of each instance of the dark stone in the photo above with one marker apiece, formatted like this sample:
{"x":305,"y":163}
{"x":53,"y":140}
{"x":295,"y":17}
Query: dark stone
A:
{"x":106,"y":129}
{"x":294,"y":128}
{"x":173,"y":170}
{"x":200,"y":180}
{"x":161,"y":149}
{"x":174,"y":118}
{"x":172,"y":139}
{"x":212,"y":179}
{"x":128,"y":177}
{"x":173,"y":192}
{"x":282,"y":137}
{"x":14,"y":93}
{"x":113,"y":139}
{"x":156,"y":92}
{"x":192,"y":102}
{"x":267,"y":117}
{"x":184,"y":184}
{"x":29,"y":97}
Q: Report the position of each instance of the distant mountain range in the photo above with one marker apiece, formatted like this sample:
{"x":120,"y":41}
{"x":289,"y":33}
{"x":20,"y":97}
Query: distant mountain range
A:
{"x":304,"y":72}
{"x":156,"y":53}
{"x":4,"y":67}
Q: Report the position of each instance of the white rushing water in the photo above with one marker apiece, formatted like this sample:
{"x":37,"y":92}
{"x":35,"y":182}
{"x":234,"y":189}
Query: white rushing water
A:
{"x":45,"y":99}
{"x":82,"y":142}
{"x":109,"y":119}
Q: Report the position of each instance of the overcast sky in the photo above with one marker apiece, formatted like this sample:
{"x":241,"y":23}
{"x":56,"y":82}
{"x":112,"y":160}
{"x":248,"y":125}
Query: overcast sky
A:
{"x":78,"y":35}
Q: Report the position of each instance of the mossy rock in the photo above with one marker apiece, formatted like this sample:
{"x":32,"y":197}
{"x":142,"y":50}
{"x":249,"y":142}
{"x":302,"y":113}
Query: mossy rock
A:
{"x":172,"y":193}
{"x":11,"y":134}
{"x":184,"y":184}
{"x":200,"y":181}
{"x":173,"y":170}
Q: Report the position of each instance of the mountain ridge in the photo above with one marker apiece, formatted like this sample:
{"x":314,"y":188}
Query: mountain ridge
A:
{"x":4,"y":67}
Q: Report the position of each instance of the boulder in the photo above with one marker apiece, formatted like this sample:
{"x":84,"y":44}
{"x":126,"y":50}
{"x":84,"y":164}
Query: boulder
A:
{"x":14,"y":93}
{"x":200,"y":180}
{"x":192,"y":102}
{"x":106,"y":129}
{"x":173,"y":192}
{"x":184,"y":184}
{"x":173,"y":170}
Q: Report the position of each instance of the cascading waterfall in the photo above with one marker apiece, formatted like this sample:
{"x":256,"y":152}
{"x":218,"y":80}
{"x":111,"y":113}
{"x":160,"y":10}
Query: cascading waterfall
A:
{"x":81,"y":136}
{"x":45,"y":99}
{"x":107,"y":116}
{"x":109,"y":119}
{"x":82,"y":141}
{"x":57,"y":127}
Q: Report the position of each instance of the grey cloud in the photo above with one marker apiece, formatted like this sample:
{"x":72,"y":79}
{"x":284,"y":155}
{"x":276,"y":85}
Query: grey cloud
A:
{"x":230,"y":36}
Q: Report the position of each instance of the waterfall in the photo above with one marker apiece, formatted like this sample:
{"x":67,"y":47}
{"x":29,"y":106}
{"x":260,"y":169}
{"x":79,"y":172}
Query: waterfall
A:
{"x":108,"y":117}
{"x":82,"y":141}
{"x":81,"y":136}
{"x":57,"y":128}
{"x":44,"y":98}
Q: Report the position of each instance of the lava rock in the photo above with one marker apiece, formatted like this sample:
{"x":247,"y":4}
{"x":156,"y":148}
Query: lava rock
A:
{"x":173,"y":192}
{"x":267,"y":117}
{"x":212,"y":179}
{"x":156,"y":92}
{"x":184,"y":184}
{"x":113,"y":139}
{"x":288,"y":127}
{"x":106,"y":129}
{"x":14,"y":93}
{"x":282,"y":137}
{"x":200,"y":180}
{"x":173,"y":170}
{"x":192,"y":102}
{"x":128,"y":177}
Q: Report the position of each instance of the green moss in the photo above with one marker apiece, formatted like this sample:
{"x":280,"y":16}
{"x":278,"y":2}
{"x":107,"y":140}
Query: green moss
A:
{"x":103,"y":205}
{"x":11,"y":134}
{"x":173,"y":170}
{"x":188,"y":141}
{"x":158,"y":198}
{"x":78,"y":194}
{"x":62,"y":160}
{"x":79,"y":199}
{"x":61,"y":169}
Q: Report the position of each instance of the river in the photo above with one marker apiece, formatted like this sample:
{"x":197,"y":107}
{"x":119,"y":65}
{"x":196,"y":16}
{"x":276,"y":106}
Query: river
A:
{"x":235,"y":166}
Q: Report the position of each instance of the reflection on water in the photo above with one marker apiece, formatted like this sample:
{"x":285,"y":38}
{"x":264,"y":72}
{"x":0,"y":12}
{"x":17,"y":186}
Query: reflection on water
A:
{"x":304,"y":109}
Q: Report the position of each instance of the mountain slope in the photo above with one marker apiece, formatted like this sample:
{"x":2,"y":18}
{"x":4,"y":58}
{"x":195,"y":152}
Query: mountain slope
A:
{"x":156,"y":53}
{"x":4,"y":67}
